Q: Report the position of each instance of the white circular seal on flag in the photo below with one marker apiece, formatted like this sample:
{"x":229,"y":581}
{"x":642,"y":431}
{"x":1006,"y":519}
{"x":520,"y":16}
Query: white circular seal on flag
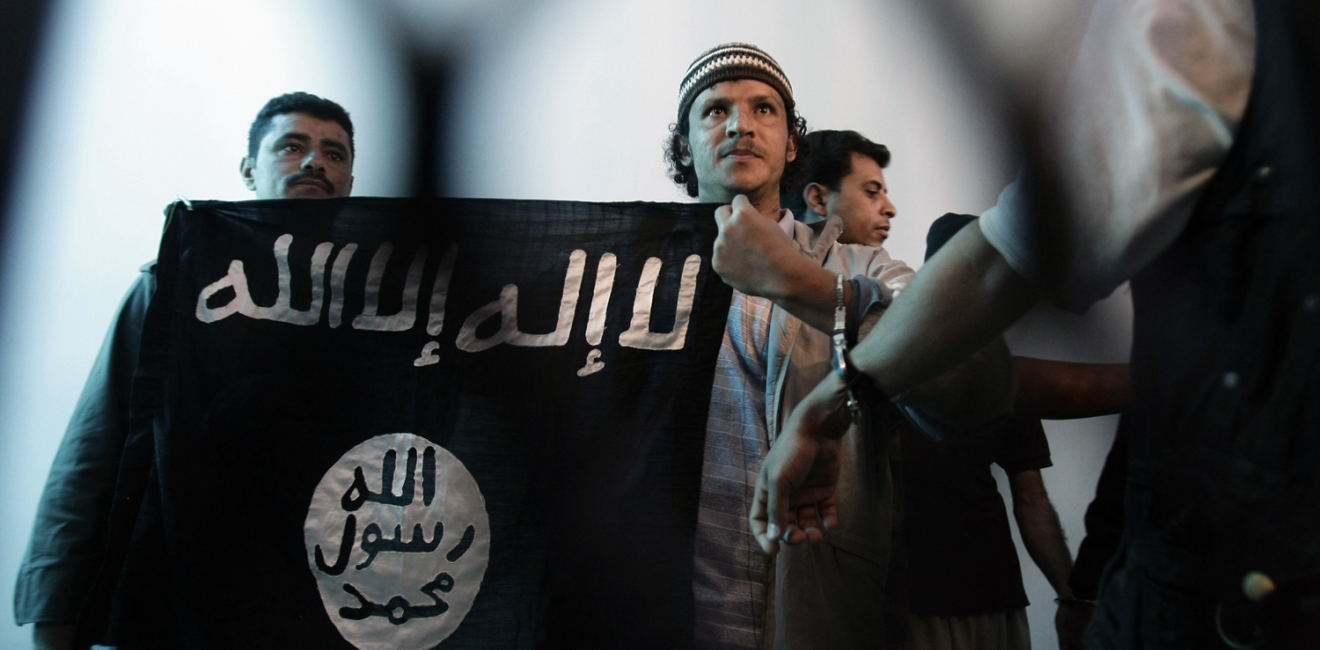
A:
{"x":398,"y":539}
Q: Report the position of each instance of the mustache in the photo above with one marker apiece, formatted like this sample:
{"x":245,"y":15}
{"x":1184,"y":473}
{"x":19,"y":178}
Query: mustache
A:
{"x":746,"y":145}
{"x":314,"y":177}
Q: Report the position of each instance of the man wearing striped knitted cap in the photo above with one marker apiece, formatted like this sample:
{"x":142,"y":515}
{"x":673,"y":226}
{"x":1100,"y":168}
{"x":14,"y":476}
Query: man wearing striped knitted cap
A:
{"x":737,"y":142}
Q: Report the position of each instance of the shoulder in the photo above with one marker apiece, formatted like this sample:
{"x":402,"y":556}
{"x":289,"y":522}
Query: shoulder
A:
{"x":875,"y":263}
{"x":139,"y":294}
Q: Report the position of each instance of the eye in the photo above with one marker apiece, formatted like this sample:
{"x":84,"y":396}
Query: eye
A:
{"x":291,"y":147}
{"x":336,"y":156}
{"x":765,"y":109}
{"x":715,"y":111}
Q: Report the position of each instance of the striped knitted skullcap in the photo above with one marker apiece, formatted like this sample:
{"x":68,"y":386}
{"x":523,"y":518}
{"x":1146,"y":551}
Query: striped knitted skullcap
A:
{"x":732,"y":61}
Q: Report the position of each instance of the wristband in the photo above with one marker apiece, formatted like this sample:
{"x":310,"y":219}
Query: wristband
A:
{"x":854,"y":381}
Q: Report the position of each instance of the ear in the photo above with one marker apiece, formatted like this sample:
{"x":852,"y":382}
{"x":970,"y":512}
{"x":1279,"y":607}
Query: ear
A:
{"x":816,"y":196}
{"x":791,"y":154}
{"x":245,"y":168}
{"x":684,"y":154}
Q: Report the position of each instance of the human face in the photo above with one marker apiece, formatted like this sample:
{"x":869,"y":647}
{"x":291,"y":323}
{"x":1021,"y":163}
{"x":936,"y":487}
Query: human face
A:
{"x":300,"y":156}
{"x":862,"y":201}
{"x":738,"y":141}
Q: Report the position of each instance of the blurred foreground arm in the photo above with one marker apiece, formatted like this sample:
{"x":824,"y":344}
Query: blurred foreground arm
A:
{"x":965,"y":296}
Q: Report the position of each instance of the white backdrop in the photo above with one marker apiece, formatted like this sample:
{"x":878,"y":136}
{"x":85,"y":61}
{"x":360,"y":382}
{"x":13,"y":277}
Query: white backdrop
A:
{"x":141,"y":100}
{"x":137,"y":101}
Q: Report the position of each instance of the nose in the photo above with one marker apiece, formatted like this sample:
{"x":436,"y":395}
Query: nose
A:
{"x":889,"y":209}
{"x":735,"y":127}
{"x":313,"y":162}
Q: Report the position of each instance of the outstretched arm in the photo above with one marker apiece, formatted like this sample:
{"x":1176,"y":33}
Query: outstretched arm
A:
{"x":1061,"y":390}
{"x":965,"y":296}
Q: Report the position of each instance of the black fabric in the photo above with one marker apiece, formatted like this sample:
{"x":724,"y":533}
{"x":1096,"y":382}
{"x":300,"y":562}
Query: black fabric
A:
{"x":590,"y":482}
{"x":1225,"y":427}
{"x":961,"y":560}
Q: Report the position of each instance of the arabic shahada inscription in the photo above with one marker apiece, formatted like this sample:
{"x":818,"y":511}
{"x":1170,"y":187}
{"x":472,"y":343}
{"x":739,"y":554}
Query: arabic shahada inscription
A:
{"x":398,"y":539}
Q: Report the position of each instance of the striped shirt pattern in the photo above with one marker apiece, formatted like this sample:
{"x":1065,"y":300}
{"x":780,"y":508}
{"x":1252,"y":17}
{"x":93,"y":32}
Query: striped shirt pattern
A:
{"x":731,"y":572}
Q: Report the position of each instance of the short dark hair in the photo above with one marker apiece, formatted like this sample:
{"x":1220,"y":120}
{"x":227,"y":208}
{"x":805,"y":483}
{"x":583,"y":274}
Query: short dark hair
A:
{"x":685,"y":176}
{"x":829,"y":159}
{"x":943,"y":229}
{"x":298,"y":102}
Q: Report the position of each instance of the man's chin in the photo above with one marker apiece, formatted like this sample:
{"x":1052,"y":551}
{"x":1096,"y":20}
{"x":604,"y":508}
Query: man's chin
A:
{"x":748,"y":184}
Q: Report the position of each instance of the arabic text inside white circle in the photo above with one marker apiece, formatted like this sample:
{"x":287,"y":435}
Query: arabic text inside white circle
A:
{"x":398,"y":539}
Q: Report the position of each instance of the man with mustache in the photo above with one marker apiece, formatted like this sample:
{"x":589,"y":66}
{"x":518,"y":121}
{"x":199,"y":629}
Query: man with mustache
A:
{"x":737,"y":142}
{"x":299,"y":146}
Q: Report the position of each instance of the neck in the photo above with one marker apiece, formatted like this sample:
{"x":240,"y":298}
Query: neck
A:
{"x":764,"y":199}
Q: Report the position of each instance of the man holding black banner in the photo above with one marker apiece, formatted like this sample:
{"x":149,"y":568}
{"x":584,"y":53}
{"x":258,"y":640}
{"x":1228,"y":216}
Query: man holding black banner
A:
{"x":299,"y":146}
{"x":736,"y":142}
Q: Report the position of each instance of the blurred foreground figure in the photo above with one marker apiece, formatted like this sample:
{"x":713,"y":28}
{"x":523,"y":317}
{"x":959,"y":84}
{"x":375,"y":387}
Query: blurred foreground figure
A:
{"x":1188,"y":148}
{"x":299,"y":146}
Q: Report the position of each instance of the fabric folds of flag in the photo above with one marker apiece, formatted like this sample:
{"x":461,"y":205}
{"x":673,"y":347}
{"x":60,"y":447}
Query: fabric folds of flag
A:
{"x":409,"y":424}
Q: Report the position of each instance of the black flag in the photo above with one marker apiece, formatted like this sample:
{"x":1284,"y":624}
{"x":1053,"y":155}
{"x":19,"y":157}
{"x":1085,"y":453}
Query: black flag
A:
{"x":383,"y":423}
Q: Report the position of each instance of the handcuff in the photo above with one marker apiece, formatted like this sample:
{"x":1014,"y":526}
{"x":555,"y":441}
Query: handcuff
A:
{"x":854,"y":381}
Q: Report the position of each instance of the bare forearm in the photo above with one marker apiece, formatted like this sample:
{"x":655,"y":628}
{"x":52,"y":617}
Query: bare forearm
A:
{"x":53,"y":636}
{"x":961,"y":299}
{"x":1043,"y":537}
{"x":808,"y":292}
{"x":1060,"y":390}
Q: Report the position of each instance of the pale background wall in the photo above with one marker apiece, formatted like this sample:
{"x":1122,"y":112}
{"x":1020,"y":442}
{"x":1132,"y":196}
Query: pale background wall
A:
{"x":559,"y":99}
{"x":140,"y":100}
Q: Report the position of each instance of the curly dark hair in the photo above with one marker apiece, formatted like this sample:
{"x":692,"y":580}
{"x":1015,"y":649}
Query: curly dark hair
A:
{"x":685,"y":176}
{"x":830,"y":159}
{"x":297,"y":102}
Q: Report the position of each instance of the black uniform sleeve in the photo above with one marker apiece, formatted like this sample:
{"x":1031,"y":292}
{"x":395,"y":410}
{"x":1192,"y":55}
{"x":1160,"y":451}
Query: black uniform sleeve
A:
{"x":68,"y":537}
{"x":1022,"y":445}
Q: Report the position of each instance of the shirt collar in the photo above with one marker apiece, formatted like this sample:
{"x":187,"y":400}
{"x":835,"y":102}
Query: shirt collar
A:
{"x":786,"y":223}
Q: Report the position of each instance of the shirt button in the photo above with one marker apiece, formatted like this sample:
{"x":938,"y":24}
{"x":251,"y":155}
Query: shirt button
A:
{"x":1231,"y":380}
{"x":1264,"y":171}
{"x":1311,"y":303}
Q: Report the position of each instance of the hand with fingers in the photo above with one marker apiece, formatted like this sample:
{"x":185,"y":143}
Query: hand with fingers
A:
{"x":795,"y":490}
{"x":751,"y":254}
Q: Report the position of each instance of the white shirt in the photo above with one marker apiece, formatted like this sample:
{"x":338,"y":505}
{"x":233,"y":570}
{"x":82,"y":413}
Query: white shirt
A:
{"x":1147,"y":115}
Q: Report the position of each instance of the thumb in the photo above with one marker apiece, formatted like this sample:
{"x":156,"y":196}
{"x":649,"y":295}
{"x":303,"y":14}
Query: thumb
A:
{"x":722,"y":215}
{"x":741,"y":202}
{"x":778,"y":497}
